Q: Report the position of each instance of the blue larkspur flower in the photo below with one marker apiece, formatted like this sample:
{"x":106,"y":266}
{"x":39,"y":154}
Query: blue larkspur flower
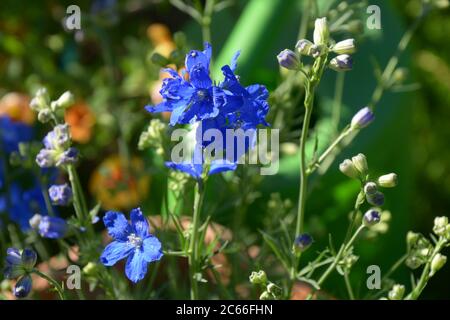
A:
{"x":57,"y":151}
{"x":19,"y":264}
{"x":132,"y":240}
{"x":191,"y":100}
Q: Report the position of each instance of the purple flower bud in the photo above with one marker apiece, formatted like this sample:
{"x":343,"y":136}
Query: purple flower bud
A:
{"x":52,"y":227}
{"x":29,"y":258}
{"x":302,"y":242}
{"x":342,"y":62}
{"x":23,"y":286}
{"x":362,"y":118}
{"x":288,"y":59}
{"x":376,"y":199}
{"x":60,"y":194}
{"x":371,"y":217}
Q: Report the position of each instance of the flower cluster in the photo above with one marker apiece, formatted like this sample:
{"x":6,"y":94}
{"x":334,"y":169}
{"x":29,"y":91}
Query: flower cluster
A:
{"x":57,"y":149}
{"x":19,"y":264}
{"x":322,"y":45}
{"x":193,"y":97}
{"x":131,"y":240}
{"x":271,"y":290}
{"x":47,"y":109}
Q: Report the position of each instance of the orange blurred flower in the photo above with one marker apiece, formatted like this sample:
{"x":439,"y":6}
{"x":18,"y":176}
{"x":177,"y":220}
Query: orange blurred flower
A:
{"x":117,"y":188}
{"x":158,"y":33}
{"x":16,"y":106}
{"x":81,"y":121}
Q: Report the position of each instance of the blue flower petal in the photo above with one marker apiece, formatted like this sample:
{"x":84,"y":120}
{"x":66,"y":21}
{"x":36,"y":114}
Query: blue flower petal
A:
{"x":221,"y":166}
{"x":139,"y":223}
{"x":194,"y":170}
{"x":195,"y":57}
{"x":117,"y":225}
{"x":199,"y":77}
{"x":152,"y":249}
{"x":233,"y":64}
{"x":115,"y":251}
{"x":13,"y":256}
{"x":136,"y":266}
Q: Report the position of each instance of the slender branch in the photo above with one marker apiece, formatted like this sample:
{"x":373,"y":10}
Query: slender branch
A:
{"x":53,"y":282}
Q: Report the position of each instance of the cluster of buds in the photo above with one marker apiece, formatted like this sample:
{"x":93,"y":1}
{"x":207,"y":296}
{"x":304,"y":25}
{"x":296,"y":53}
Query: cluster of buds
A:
{"x":357,"y":168}
{"x":271,"y":292}
{"x":57,"y":149}
{"x":47,"y":109}
{"x":153,"y":136}
{"x":419,"y":249}
{"x":19,"y":264}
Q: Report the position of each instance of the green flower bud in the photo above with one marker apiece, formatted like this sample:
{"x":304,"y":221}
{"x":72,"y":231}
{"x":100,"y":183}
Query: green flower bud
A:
{"x":388,"y":180}
{"x":91,"y":269}
{"x":265,"y":296}
{"x":412,"y":238}
{"x":440,"y":226}
{"x":360,"y":163}
{"x":437,"y":263}
{"x":345,"y":47}
{"x":396,"y":292}
{"x":321,"y":31}
{"x":41,"y":100}
{"x":259,"y":277}
{"x":348,"y":168}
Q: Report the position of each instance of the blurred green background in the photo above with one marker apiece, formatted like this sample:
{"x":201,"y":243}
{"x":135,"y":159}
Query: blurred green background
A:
{"x":410,"y":136}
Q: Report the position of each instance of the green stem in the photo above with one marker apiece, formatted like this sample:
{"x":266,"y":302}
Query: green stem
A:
{"x":338,"y":92}
{"x":348,"y":285}
{"x":206,"y":20}
{"x":415,"y":293}
{"x":53,"y":282}
{"x":193,"y":244}
{"x":79,"y":202}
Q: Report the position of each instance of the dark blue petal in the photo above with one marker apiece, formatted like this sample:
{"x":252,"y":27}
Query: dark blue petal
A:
{"x":136,"y":266}
{"x":152,"y":249}
{"x":13,"y":256}
{"x":117,"y":225}
{"x":139,"y":223}
{"x":202,"y":58}
{"x":23,"y":287}
{"x":218,"y":166}
{"x":116,"y":251}
{"x":194,"y":170}
{"x":199,"y":77}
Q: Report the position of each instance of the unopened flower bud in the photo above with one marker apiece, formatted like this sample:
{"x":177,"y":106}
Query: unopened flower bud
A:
{"x":343,"y":62}
{"x":29,"y":258}
{"x":345,"y":47}
{"x":302,"y":242}
{"x":360,"y":163}
{"x":371,"y":217}
{"x":23,"y":286}
{"x":362,"y":118}
{"x":440,"y":226}
{"x":259,"y":277}
{"x":321,"y":31}
{"x":44,"y":115}
{"x":348,"y":168}
{"x":396,"y":292}
{"x":387,"y":180}
{"x":288,"y":59}
{"x":376,"y":199}
{"x":91,"y":269}
{"x":370,"y":188}
{"x":265,"y":296}
{"x":41,"y":100}
{"x":304,"y":46}
{"x":437,"y":263}
{"x":412,"y":238}
{"x":64,"y":101}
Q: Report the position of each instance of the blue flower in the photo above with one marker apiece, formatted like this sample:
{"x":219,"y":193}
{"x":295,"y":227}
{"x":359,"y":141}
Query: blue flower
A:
{"x":60,"y":194}
{"x":192,"y":100}
{"x":20,"y":264}
{"x":57,"y":151}
{"x":132,"y":241}
{"x":302,"y":242}
{"x":12,"y":133}
{"x":51,"y":227}
{"x":196,"y":170}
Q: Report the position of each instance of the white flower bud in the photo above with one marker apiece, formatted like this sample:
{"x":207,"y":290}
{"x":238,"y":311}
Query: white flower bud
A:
{"x":348,"y":168}
{"x":64,"y":101}
{"x":437,"y":263}
{"x":345,"y":47}
{"x":440,"y":226}
{"x":388,"y":180}
{"x":44,"y":115}
{"x":360,"y":163}
{"x":321,"y":31}
{"x":396,"y":292}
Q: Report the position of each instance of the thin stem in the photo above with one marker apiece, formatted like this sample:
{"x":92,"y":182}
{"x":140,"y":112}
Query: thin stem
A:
{"x":348,"y":285}
{"x":193,"y":244}
{"x":53,"y":282}
{"x":338,"y":92}
{"x":206,"y":20}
